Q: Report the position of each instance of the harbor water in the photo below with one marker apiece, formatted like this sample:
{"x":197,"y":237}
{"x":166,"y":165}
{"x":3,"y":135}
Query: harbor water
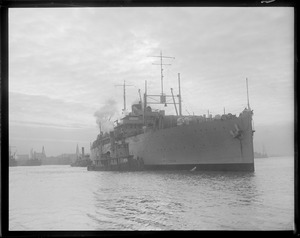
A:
{"x":61,"y":197}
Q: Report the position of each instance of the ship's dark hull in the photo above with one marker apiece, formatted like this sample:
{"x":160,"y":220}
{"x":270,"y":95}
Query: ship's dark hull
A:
{"x":203,"y":167}
{"x":225,"y":145}
{"x":207,"y":146}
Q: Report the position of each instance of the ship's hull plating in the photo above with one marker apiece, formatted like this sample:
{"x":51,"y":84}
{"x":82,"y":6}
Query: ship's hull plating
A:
{"x":209,"y":145}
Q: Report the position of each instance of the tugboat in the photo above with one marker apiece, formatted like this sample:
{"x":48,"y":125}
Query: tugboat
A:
{"x":114,"y":155}
{"x":82,"y":160}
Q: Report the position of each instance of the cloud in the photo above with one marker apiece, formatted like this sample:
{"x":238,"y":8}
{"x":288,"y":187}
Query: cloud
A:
{"x":66,"y":64}
{"x":42,"y":110}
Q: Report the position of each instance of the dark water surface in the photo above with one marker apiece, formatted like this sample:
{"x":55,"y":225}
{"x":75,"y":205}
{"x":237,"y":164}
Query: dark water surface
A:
{"x":72,"y":198}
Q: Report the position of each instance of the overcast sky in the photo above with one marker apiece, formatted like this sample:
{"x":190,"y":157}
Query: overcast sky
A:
{"x":65,"y":63}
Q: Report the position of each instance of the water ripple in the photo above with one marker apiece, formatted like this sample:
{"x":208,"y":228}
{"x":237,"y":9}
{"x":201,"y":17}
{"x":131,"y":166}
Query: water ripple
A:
{"x":64,"y":198}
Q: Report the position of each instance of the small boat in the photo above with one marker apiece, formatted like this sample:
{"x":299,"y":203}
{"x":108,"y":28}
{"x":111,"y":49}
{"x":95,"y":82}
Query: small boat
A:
{"x":118,"y":160}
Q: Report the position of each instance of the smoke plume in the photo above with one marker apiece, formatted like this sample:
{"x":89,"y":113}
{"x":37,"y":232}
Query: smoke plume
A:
{"x":104,"y":116}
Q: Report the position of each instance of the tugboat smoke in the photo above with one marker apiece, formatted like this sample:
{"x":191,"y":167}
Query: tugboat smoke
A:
{"x":104,"y":115}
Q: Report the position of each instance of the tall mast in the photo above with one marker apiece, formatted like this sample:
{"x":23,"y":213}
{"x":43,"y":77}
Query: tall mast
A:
{"x":145,"y":101}
{"x":145,"y":95}
{"x":162,"y":98}
{"x":174,"y":101}
{"x":124,"y":93}
{"x":247,"y":95}
{"x":161,"y":69}
{"x":179,"y":96}
{"x":161,"y":74}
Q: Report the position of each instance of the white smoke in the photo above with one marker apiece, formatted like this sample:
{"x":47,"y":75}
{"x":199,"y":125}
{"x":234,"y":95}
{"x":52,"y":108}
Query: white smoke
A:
{"x":104,"y":116}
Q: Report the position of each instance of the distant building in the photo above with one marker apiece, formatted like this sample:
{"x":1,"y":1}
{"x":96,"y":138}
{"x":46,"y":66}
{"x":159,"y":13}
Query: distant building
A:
{"x":77,"y":152}
{"x":63,"y":159}
{"x":67,"y":157}
{"x":22,"y":157}
{"x":36,"y":155}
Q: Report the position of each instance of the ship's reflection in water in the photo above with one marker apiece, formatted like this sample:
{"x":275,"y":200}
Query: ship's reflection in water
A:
{"x":66,"y":198}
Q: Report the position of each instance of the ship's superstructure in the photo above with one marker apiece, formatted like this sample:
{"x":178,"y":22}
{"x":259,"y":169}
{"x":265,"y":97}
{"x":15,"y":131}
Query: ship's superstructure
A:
{"x":150,"y":139}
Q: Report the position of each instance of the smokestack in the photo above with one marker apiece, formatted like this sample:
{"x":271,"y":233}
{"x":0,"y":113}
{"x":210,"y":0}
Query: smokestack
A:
{"x":82,"y":152}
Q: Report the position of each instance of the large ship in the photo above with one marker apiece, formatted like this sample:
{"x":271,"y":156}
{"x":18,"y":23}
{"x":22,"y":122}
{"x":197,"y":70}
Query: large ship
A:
{"x":149,"y":139}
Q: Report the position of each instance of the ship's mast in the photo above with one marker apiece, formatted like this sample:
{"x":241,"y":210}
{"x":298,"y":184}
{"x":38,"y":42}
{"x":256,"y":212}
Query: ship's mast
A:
{"x":179,"y":95}
{"x":124,"y":93}
{"x":174,"y":102}
{"x":145,"y":101}
{"x":247,"y":95}
{"x":101,"y":146}
{"x":161,"y":99}
{"x":161,"y":69}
